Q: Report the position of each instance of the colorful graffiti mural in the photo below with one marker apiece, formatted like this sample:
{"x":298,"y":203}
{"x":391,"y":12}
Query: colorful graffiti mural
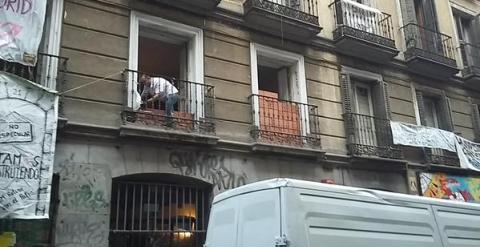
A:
{"x":441,"y":185}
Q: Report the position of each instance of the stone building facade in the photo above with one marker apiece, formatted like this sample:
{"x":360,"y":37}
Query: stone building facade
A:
{"x":267,"y":88}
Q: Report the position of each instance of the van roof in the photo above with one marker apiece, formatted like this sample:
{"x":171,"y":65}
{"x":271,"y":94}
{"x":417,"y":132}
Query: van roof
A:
{"x":381,"y":195}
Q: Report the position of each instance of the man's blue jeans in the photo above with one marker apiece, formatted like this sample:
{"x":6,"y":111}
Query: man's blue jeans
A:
{"x":170,"y":103}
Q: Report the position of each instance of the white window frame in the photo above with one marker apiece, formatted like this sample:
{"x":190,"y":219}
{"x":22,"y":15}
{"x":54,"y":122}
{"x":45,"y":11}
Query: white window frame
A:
{"x":195,"y":50}
{"x":299,"y":93}
{"x":52,"y":45}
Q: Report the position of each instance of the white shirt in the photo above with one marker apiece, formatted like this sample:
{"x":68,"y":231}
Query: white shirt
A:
{"x":162,"y":86}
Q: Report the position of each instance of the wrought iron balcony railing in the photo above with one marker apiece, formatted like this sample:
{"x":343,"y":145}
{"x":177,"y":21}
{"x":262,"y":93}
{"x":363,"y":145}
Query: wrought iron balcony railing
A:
{"x":48,"y":70}
{"x":285,"y":122}
{"x":441,"y":157}
{"x":429,"y":44}
{"x":302,"y":10}
{"x":362,"y":22}
{"x":193,"y":111}
{"x":370,"y":136}
{"x":471,"y":59}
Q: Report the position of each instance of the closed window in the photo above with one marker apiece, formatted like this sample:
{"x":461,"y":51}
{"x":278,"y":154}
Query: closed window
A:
{"x":431,"y":115}
{"x":434,"y":110}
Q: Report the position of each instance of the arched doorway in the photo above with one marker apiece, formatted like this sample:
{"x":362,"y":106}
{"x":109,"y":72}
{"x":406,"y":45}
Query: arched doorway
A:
{"x":159,"y":210}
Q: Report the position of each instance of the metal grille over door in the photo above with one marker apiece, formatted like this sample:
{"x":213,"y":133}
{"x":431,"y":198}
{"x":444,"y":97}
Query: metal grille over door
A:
{"x":158,"y":215}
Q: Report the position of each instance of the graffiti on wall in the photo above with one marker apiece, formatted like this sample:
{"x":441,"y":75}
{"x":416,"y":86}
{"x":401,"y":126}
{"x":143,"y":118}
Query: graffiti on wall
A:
{"x":82,"y":231}
{"x":84,"y":204}
{"x":441,"y":185}
{"x":207,"y":166}
{"x":83,"y":187}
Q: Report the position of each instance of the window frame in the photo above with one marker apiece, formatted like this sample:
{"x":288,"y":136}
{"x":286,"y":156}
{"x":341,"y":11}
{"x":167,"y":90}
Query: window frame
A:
{"x":195,"y":63}
{"x":299,"y":96}
{"x":51,"y":44}
{"x":444,"y":119}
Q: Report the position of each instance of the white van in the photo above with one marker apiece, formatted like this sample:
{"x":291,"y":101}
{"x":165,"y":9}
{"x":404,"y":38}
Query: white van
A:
{"x":294,"y":213}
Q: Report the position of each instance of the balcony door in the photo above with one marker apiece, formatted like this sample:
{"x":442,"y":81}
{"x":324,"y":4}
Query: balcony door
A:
{"x":173,"y":51}
{"x":364,"y":122}
{"x":431,"y":113}
{"x":431,"y":39}
{"x":470,"y":55}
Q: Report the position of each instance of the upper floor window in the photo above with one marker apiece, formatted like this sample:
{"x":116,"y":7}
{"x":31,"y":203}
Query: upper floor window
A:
{"x":367,"y":114}
{"x":434,"y":109}
{"x":469,"y":44}
{"x":165,"y":74}
{"x":49,"y":64}
{"x":430,"y":116}
{"x":279,"y":97}
{"x":426,"y":14}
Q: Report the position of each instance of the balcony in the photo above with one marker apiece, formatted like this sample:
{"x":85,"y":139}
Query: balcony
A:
{"x":441,"y":157}
{"x":285,"y":123}
{"x":429,"y":52}
{"x":471,"y":63}
{"x":196,"y":6}
{"x":294,"y":19}
{"x":49,"y":70}
{"x":191,"y":119}
{"x":363,"y":32}
{"x":369,"y":136}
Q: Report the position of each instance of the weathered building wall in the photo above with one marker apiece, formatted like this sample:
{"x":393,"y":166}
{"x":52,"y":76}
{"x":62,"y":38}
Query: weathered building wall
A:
{"x":96,"y":40}
{"x":87,"y":167}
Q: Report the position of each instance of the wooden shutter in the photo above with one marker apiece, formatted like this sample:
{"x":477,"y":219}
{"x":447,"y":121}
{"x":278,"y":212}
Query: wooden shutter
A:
{"x":476,"y":121}
{"x":421,"y":106}
{"x":446,"y":121}
{"x":476,"y":29}
{"x":476,"y":40}
{"x":381,"y":100}
{"x":429,"y":15}
{"x":346,"y":87}
{"x":381,"y":107}
{"x":408,"y":11}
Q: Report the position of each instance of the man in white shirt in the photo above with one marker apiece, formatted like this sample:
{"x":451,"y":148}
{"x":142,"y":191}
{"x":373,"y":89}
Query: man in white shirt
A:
{"x":158,"y":88}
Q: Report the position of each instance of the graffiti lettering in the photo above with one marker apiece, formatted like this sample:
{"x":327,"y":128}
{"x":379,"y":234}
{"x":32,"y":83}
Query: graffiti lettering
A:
{"x":81,"y":233}
{"x":84,"y":198}
{"x":207,"y":166}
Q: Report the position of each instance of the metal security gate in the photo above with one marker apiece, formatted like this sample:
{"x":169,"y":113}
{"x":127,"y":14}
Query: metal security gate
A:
{"x":158,"y":215}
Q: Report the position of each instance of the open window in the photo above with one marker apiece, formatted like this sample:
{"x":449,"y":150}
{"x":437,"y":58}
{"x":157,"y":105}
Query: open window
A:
{"x":171,"y":54}
{"x":279,"y":96}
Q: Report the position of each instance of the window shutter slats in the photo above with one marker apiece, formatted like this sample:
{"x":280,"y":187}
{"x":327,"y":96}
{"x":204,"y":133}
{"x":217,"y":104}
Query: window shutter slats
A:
{"x":476,"y":29}
{"x":408,"y":11}
{"x":381,"y":100}
{"x":445,"y":113}
{"x":421,"y":106}
{"x":476,"y":121}
{"x":346,"y":87}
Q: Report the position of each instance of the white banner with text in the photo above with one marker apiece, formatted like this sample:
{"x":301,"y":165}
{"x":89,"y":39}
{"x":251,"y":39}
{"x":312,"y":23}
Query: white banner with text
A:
{"x":28,"y":125}
{"x":21,"y":29}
